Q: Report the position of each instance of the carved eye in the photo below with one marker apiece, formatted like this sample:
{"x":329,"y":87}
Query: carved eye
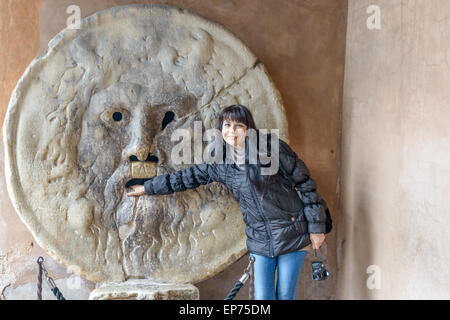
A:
{"x":117,"y":116}
{"x":114,"y":118}
{"x":168,"y":117}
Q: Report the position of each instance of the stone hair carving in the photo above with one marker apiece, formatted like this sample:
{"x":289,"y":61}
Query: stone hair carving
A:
{"x":95,"y":103}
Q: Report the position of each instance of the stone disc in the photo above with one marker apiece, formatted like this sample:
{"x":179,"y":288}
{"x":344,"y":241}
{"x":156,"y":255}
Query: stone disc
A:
{"x":108,"y":97}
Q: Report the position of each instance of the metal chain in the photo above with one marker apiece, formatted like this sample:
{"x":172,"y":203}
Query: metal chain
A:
{"x":39,"y":278}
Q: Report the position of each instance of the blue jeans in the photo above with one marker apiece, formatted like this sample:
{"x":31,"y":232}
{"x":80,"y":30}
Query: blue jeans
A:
{"x":289,"y":268}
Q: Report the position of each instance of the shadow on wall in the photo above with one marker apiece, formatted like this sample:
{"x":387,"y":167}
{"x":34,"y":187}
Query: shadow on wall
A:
{"x":362,"y":251}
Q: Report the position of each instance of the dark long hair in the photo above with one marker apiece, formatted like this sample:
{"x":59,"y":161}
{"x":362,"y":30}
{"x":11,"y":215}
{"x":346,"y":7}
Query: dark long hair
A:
{"x":238,"y":113}
{"x":241,"y":114}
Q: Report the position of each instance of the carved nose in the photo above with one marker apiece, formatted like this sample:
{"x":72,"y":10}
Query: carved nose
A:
{"x":149,"y":157}
{"x":139,"y":152}
{"x":138,"y":148}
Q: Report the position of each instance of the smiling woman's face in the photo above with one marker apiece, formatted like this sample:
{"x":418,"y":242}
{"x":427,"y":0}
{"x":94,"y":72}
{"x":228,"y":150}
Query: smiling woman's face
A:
{"x":234,"y":133}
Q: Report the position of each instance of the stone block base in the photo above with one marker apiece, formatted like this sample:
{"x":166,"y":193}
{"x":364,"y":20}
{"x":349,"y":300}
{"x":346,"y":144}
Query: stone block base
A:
{"x":141,"y":289}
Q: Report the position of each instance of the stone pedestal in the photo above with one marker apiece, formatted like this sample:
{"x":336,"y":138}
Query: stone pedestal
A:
{"x":141,"y":289}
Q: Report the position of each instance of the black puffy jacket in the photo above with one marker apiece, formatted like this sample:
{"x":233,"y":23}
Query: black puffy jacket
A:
{"x":276,"y":220}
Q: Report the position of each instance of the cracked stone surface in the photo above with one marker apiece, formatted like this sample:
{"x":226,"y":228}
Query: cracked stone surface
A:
{"x":94,"y":104}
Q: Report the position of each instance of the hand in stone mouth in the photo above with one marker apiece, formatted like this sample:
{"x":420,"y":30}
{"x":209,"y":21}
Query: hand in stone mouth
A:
{"x":138,"y":190}
{"x":141,"y":171}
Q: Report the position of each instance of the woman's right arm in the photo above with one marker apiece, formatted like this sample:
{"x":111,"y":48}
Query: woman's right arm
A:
{"x":315,"y":207}
{"x":189,"y":178}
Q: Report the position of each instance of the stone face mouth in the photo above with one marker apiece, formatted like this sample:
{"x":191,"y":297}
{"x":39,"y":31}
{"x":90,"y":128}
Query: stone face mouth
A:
{"x":141,"y":171}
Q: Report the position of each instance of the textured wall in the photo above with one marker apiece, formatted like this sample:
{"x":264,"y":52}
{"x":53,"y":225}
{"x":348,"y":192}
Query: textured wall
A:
{"x":395,"y":152}
{"x":302,"y":45}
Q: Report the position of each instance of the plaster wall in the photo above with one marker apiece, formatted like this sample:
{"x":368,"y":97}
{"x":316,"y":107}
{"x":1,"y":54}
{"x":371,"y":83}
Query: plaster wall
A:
{"x":393,"y":239}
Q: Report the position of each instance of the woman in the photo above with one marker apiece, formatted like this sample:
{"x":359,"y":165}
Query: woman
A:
{"x":278,"y":227}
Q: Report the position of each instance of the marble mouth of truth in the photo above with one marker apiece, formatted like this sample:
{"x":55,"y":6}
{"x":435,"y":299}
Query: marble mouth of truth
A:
{"x":141,"y":171}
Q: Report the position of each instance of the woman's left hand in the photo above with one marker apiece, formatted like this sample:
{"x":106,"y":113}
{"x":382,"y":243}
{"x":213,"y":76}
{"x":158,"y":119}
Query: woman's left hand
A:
{"x":316,"y":239}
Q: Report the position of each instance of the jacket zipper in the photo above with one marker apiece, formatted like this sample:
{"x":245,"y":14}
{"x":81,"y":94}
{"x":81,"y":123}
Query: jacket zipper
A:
{"x":265,"y":221}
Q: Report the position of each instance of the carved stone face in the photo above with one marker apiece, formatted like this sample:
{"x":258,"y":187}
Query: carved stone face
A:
{"x":120,"y":128}
{"x":106,"y":99}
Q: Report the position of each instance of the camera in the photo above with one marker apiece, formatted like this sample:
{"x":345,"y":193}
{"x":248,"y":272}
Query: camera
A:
{"x":318,"y":271}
